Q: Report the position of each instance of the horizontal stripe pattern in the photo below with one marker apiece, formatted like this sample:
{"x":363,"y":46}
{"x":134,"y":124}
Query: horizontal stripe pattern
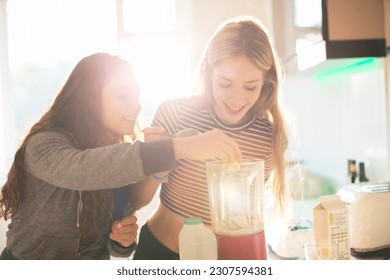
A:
{"x":186,"y":191}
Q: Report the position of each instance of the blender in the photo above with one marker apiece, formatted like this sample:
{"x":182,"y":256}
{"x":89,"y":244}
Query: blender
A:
{"x":236,"y":194}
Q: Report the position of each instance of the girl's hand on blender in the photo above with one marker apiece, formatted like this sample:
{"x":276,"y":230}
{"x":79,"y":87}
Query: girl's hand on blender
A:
{"x":213,"y":144}
{"x":154,"y":133}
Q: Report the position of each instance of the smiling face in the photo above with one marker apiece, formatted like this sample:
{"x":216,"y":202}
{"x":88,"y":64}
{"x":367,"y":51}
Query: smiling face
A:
{"x":120,"y":103}
{"x":236,"y":85}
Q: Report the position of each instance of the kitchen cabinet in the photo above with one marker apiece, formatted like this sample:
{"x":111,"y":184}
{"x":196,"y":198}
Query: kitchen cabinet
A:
{"x":354,"y":28}
{"x":386,"y":6}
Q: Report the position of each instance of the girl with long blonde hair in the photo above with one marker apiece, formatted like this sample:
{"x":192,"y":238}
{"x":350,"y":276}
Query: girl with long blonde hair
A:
{"x":238,"y":93}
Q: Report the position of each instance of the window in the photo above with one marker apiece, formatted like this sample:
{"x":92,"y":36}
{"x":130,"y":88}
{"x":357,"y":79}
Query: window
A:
{"x":309,"y":44}
{"x":307,"y":13}
{"x":148,"y":16}
{"x":150,"y":40}
{"x":45,"y":39}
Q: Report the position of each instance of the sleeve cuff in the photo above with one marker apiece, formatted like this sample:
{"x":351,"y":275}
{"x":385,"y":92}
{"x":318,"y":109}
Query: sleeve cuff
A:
{"x":158,"y":156}
{"x":117,"y":250}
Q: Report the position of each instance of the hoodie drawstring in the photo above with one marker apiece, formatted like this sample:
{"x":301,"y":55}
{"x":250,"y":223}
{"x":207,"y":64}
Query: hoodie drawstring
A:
{"x":79,"y":208}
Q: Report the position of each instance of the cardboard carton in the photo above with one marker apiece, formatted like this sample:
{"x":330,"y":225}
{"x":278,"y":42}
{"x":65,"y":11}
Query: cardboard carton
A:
{"x":330,"y":221}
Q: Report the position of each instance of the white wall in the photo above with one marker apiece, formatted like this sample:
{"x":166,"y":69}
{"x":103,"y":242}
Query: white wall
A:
{"x":3,"y":58}
{"x":3,"y":230}
{"x":197,"y":20}
{"x":207,"y":15}
{"x":340,"y":117}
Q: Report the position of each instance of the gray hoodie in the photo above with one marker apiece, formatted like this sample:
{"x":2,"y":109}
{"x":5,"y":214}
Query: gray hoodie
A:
{"x":46,"y":225}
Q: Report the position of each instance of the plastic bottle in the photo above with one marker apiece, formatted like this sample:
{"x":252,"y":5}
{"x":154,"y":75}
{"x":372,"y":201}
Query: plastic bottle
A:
{"x":362,"y":173}
{"x":352,"y":174}
{"x":196,"y":241}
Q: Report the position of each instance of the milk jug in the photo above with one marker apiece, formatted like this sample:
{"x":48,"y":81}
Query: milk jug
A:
{"x":196,"y":241}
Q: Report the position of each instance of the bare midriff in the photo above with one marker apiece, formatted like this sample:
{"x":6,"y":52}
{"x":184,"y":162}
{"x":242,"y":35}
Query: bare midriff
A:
{"x":165,"y":226}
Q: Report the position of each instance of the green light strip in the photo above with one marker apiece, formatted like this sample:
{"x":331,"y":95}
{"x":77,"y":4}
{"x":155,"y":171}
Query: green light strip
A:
{"x":356,"y":67}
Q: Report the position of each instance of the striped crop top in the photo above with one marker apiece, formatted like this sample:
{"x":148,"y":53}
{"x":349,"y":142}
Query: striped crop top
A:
{"x":186,"y":191}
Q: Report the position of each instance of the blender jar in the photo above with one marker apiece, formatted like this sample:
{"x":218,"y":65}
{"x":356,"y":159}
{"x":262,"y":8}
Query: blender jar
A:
{"x":236,"y":194}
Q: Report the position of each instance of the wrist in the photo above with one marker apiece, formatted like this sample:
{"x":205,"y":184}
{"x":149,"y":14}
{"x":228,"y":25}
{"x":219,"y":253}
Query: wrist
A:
{"x":118,"y":244}
{"x":159,"y":178}
{"x":177,"y":147}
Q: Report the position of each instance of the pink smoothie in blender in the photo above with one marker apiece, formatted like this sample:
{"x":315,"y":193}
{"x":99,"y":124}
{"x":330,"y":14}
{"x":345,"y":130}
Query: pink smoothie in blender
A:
{"x":236,"y":205}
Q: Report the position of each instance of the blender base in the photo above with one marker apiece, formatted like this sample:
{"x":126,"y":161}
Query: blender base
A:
{"x":244,"y":247}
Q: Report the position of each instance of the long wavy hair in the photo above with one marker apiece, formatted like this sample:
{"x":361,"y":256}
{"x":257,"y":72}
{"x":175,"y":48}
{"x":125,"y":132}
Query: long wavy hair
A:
{"x":247,"y":36}
{"x":76,"y":111}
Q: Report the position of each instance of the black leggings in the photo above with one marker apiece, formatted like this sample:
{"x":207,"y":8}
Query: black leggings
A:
{"x":149,"y":248}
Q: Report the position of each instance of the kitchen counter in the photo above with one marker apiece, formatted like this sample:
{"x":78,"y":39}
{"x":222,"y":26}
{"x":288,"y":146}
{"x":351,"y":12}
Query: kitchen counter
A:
{"x":385,"y":256}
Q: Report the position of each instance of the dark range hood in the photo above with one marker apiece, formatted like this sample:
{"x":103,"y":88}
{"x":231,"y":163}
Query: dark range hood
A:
{"x":353,"y":33}
{"x":353,"y":28}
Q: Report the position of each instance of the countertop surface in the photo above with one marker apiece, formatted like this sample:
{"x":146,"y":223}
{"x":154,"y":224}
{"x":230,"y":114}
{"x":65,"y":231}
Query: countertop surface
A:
{"x":383,"y":255}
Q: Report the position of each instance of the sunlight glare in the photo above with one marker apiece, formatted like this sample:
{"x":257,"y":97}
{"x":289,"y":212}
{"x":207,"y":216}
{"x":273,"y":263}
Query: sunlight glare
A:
{"x":41,"y":32}
{"x":162,"y":68}
{"x":138,"y":16}
{"x":156,"y":49}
